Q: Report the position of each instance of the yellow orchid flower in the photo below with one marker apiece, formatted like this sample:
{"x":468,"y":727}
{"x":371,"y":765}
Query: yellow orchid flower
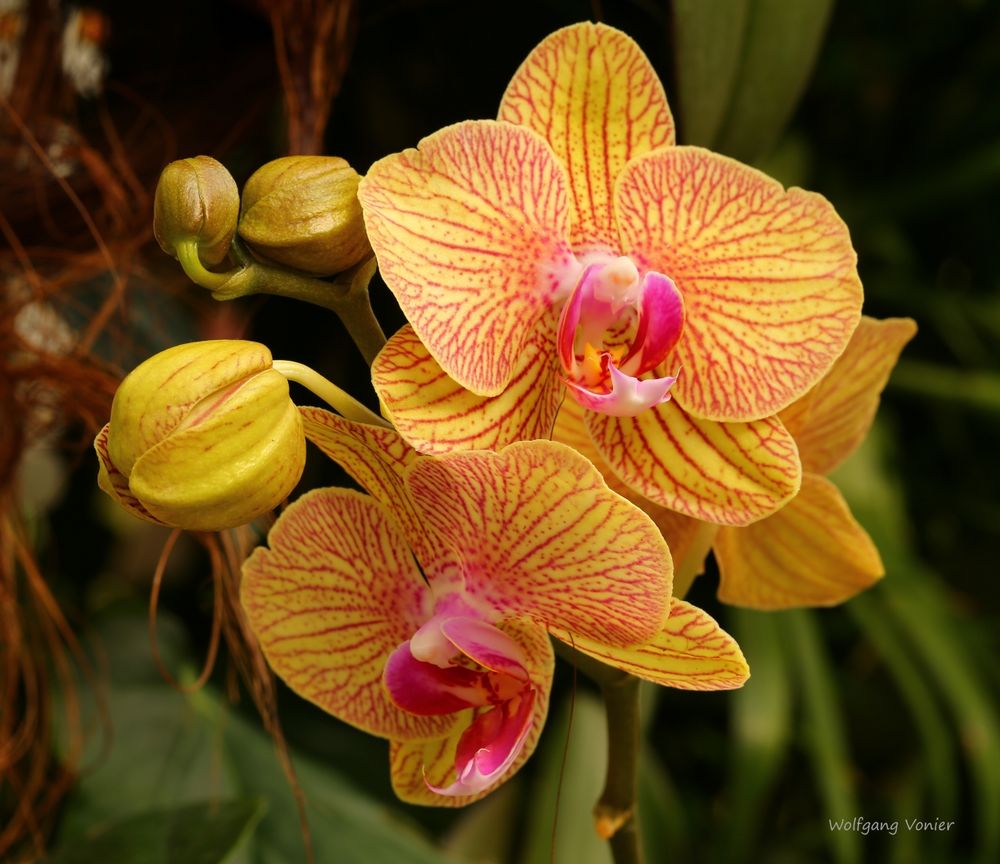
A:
{"x":421,"y":612}
{"x":571,"y":247}
{"x":812,"y":552}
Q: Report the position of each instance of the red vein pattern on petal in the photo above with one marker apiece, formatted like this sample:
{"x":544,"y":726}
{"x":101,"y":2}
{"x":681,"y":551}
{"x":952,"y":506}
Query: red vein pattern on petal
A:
{"x":811,"y":553}
{"x":470,"y":234}
{"x":377,"y":458}
{"x":770,"y":287}
{"x":692,"y":652}
{"x":331,"y":599}
{"x":591,"y":92}
{"x":537,"y":532}
{"x":115,"y":484}
{"x":832,"y":419}
{"x":678,"y":530}
{"x":412,"y":761}
{"x":437,"y":415}
{"x":728,"y":473}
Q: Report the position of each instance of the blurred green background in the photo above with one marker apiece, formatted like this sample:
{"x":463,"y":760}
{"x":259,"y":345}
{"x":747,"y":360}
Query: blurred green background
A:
{"x":886,"y":709}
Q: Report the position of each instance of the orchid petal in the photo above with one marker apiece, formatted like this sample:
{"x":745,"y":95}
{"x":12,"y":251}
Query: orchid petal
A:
{"x":330,"y":600}
{"x":376,"y":458}
{"x":629,"y":396}
{"x":426,"y":689}
{"x":418,"y":765}
{"x":595,"y":97}
{"x":537,"y":532}
{"x":692,"y":652}
{"x":661,"y":319}
{"x":811,"y":553}
{"x":679,"y":531}
{"x":437,"y":415}
{"x":832,"y":419}
{"x":115,"y":484}
{"x":489,"y":746}
{"x":469,"y":231}
{"x":771,"y":290}
{"x":487,"y":645}
{"x":728,"y":473}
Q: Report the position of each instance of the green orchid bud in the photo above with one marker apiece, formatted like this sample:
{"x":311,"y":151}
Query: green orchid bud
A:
{"x":203,"y":436}
{"x":303,"y":212}
{"x":196,"y":201}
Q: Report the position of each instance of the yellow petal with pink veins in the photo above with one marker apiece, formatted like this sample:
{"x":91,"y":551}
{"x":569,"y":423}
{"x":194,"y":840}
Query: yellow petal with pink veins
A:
{"x":414,"y":764}
{"x":470,"y":234}
{"x":692,"y":652}
{"x":536,"y":532}
{"x":115,"y":484}
{"x":377,"y":458}
{"x":768,"y":276}
{"x":678,"y":530}
{"x":811,"y":553}
{"x":595,"y":97}
{"x":437,"y":415}
{"x":832,"y":419}
{"x":728,"y":473}
{"x":336,"y":592}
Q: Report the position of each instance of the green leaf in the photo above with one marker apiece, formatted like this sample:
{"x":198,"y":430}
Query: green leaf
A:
{"x":918,"y":604}
{"x":761,"y":727}
{"x":939,"y":765}
{"x":346,"y":827}
{"x":662,"y":814}
{"x":168,"y":748}
{"x":780,"y":49}
{"x":825,"y":737}
{"x":159,"y":751}
{"x":708,"y":46}
{"x":203,"y":833}
{"x":486,"y":830}
{"x":576,"y":789}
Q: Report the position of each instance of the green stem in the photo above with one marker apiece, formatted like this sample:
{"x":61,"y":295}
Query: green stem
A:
{"x":347,"y":299}
{"x":187,"y":255}
{"x":329,"y":392}
{"x":615,"y":812}
{"x":346,"y":296}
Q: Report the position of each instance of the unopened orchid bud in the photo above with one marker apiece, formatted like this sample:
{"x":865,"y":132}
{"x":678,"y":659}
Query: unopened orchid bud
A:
{"x":303,"y":212}
{"x":196,"y":201}
{"x":203,"y":436}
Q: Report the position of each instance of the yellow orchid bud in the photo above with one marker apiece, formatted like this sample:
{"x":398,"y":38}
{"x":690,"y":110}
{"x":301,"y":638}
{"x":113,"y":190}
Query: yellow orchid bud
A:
{"x":303,"y":212}
{"x":196,"y":200}
{"x":203,"y":436}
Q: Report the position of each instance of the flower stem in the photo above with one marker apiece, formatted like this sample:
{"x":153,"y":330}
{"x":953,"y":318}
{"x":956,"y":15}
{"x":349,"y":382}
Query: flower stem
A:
{"x":342,"y":402}
{"x":615,"y":813}
{"x":187,"y":255}
{"x":346,"y":296}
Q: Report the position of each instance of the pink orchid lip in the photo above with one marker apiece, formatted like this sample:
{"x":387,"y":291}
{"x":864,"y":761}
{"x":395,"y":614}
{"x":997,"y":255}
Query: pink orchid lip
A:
{"x":490,"y":745}
{"x":629,"y":396}
{"x":499,"y":683}
{"x":426,"y":689}
{"x":606,"y":293}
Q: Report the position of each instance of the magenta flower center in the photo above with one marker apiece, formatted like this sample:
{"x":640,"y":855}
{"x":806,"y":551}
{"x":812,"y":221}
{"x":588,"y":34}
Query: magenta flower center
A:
{"x":456,"y":663}
{"x":618,"y":325}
